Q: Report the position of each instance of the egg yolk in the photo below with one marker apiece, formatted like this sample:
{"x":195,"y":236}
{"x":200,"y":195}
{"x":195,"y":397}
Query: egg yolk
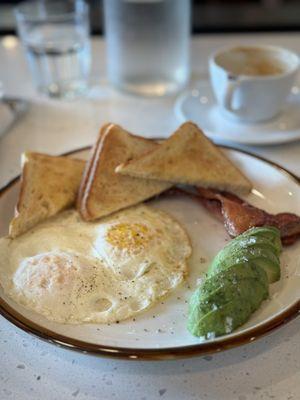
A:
{"x":131,"y":237}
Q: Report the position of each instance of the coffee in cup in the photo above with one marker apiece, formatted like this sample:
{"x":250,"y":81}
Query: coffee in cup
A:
{"x":251,"y":83}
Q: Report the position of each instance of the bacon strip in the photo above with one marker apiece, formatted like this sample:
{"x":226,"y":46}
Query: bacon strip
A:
{"x":238,"y":215}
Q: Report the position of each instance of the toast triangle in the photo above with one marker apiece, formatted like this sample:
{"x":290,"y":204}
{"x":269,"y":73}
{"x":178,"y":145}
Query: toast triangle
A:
{"x":103,"y":191}
{"x":49,"y":184}
{"x":188,"y":157}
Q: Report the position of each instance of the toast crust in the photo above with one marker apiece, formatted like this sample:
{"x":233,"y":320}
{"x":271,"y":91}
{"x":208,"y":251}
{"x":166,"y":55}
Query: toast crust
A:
{"x":89,"y":165}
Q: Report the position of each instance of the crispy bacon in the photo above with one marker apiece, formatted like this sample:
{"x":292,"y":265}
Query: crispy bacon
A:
{"x":238,"y":215}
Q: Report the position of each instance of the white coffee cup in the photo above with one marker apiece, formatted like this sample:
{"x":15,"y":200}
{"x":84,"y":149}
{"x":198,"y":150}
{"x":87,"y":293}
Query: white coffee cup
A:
{"x":251,"y":83}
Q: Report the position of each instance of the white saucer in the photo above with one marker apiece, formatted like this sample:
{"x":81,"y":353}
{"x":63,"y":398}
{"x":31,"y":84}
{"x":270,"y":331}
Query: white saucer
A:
{"x":199,"y":105}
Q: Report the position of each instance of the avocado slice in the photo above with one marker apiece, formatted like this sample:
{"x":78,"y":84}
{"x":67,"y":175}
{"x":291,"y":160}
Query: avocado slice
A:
{"x":220,"y":321}
{"x":241,"y":243}
{"x":269,"y":233}
{"x":241,"y":252}
{"x":256,"y":241}
{"x":250,"y":289}
{"x":240,"y":270}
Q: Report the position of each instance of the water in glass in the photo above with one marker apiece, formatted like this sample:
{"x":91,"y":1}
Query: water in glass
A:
{"x":148,"y":44}
{"x":59,"y":58}
{"x":55,"y":35}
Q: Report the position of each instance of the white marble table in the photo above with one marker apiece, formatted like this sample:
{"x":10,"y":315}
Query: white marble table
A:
{"x":34,"y":370}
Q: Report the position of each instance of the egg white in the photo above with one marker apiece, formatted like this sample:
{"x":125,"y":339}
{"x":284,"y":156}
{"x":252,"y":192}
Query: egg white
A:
{"x":72,"y":271}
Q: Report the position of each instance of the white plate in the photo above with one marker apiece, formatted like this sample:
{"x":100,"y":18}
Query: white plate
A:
{"x":160,"y":332}
{"x":199,"y":106}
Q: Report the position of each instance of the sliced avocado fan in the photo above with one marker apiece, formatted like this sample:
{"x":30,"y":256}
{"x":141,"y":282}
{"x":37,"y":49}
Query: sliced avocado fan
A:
{"x":236,"y":284}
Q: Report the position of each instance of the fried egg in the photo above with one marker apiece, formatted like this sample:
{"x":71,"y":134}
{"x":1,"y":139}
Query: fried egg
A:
{"x":72,"y":271}
{"x":138,"y":239}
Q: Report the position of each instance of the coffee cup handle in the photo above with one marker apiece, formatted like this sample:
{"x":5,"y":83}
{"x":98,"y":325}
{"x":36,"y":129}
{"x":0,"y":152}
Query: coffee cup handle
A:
{"x":233,"y":83}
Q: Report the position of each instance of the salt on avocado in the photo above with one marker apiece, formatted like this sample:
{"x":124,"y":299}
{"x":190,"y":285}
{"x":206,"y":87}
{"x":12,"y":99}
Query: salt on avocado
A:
{"x":236,"y":284}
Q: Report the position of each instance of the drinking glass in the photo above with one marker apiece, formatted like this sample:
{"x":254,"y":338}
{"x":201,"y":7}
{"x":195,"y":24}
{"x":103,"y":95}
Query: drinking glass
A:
{"x":55,"y":35}
{"x":147,"y":44}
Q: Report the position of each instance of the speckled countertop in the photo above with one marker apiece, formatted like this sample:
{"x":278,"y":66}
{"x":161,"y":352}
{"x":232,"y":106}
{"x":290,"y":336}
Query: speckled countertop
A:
{"x":266,"y":369}
{"x":33,"y":370}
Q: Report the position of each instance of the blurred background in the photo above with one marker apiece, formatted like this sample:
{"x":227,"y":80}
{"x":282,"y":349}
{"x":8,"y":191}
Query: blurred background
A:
{"x":208,"y":16}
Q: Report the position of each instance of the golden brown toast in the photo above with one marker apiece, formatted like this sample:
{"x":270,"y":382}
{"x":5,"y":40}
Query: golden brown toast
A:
{"x":49,"y":185}
{"x":102,"y":191}
{"x":188,"y":157}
